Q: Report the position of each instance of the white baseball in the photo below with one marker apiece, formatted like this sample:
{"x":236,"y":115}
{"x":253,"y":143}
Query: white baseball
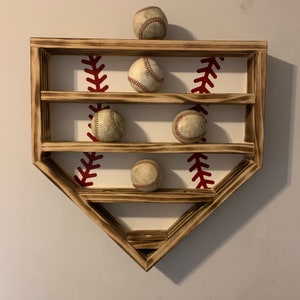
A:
{"x":107,"y":125}
{"x":146,"y":175}
{"x":145,"y":75}
{"x":189,"y":126}
{"x":150,"y":23}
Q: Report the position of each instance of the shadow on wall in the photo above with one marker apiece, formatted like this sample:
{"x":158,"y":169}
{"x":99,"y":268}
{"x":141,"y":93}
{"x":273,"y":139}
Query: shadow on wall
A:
{"x":261,"y":189}
{"x":176,"y":32}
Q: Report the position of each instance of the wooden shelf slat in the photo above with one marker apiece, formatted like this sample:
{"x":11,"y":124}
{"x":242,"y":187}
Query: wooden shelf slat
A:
{"x":236,"y":148}
{"x":126,"y":47}
{"x":159,"y":196}
{"x":147,"y":98}
{"x":147,"y":239}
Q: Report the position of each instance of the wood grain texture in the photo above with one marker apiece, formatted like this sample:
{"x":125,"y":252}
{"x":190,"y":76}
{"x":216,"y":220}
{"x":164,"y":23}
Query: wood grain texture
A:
{"x":36,"y":128}
{"x":236,"y":148}
{"x":160,"y":195}
{"x":147,"y":98}
{"x":147,"y":239}
{"x":260,"y":77}
{"x":124,"y":47}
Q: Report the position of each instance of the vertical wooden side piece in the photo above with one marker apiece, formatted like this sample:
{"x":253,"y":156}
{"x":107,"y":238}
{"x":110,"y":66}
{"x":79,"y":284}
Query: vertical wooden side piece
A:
{"x":260,"y":79}
{"x":36,"y":126}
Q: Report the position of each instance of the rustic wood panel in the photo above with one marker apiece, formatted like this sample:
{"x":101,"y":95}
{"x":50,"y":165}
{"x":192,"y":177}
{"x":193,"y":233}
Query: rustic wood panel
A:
{"x":147,"y":239}
{"x":36,"y":128}
{"x":147,"y":98}
{"x":123,"y":47}
{"x":260,"y":78}
{"x":237,"y":148}
{"x":160,"y":195}
{"x":250,"y":109}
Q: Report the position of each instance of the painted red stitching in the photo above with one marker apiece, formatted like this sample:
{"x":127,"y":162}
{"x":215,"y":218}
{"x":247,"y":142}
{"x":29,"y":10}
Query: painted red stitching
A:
{"x":205,"y":83}
{"x":94,"y":70}
{"x":207,"y":72}
{"x":200,"y":174}
{"x":89,"y":164}
{"x":89,"y":161}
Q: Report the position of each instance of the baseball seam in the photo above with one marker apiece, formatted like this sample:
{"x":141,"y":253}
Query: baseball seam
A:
{"x":150,"y":71}
{"x":141,"y":86}
{"x":183,"y":137}
{"x":151,"y":184}
{"x":95,"y":109}
{"x":110,"y":120}
{"x":149,"y":22}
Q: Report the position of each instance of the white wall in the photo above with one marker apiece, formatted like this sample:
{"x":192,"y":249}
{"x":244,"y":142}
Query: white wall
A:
{"x":248,"y":249}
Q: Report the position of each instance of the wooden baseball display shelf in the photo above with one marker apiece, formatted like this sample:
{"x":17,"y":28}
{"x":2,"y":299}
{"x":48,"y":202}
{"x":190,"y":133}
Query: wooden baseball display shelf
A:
{"x":147,"y":247}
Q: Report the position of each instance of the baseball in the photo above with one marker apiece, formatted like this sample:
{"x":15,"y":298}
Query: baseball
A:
{"x":145,"y":75}
{"x":107,"y":125}
{"x":146,"y":175}
{"x":150,"y":23}
{"x":189,"y":126}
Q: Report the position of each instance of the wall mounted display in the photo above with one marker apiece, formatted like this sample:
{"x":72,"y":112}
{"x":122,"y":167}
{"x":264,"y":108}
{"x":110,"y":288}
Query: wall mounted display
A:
{"x":75,"y":163}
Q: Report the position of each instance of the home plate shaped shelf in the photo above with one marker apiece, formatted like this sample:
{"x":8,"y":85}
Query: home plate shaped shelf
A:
{"x":147,"y":246}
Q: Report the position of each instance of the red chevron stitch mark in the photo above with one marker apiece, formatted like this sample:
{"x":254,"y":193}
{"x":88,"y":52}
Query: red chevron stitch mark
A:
{"x":207,"y":71}
{"x":198,"y":158}
{"x":201,"y":174}
{"x":90,"y":159}
{"x":94,"y":70}
{"x":89,"y":165}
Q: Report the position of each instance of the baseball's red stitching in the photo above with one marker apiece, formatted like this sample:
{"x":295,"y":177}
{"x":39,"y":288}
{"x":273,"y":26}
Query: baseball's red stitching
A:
{"x":138,"y":84}
{"x":185,"y":138}
{"x":156,"y":178}
{"x":150,"y":70}
{"x":112,"y":122}
{"x":150,"y":21}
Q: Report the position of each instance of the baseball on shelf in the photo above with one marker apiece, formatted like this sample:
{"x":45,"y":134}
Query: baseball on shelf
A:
{"x":107,"y":125}
{"x":150,"y":23}
{"x":146,"y":175}
{"x":145,"y":75}
{"x":189,"y":126}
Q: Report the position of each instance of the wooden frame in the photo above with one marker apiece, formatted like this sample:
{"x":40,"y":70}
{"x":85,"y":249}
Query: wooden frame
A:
{"x":147,"y":247}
